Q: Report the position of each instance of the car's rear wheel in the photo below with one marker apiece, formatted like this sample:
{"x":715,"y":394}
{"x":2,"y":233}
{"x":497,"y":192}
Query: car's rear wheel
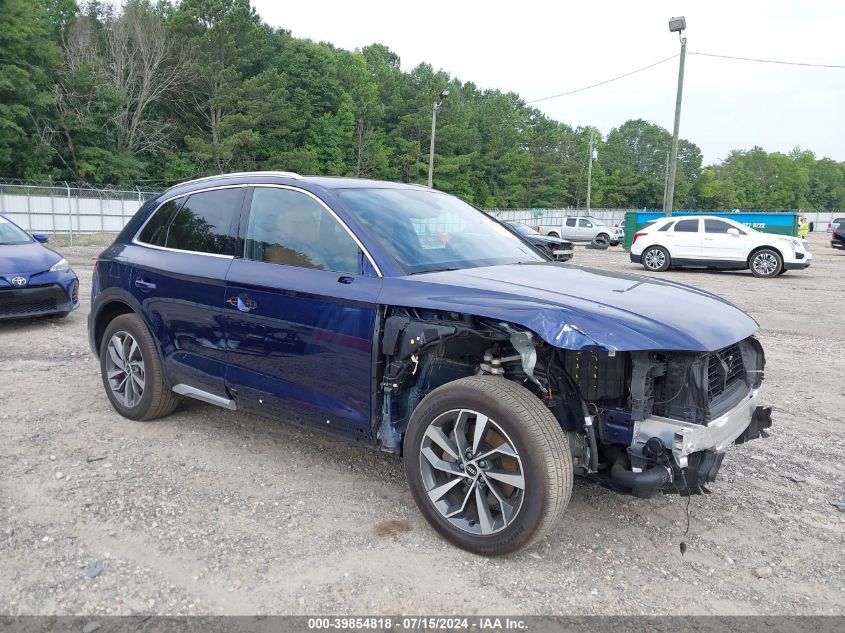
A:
{"x":656,"y":259}
{"x":131,"y":370}
{"x":766,"y":262}
{"x":554,"y":234}
{"x":488,"y":465}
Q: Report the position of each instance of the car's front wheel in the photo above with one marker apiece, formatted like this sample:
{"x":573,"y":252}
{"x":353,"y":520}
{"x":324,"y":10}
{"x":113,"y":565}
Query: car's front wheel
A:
{"x":766,"y":262}
{"x":131,"y":370}
{"x":488,"y":465}
{"x":656,"y":259}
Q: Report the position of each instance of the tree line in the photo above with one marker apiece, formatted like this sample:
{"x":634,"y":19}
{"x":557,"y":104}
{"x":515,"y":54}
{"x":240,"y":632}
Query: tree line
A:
{"x":156,"y":92}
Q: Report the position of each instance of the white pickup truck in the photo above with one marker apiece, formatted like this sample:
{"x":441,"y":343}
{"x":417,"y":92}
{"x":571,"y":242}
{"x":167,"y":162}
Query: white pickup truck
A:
{"x":583,"y":228}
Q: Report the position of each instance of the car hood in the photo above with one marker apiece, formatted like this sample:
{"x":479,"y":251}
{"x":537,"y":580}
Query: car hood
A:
{"x":574,"y":307}
{"x":546,"y":239}
{"x":26,"y":259}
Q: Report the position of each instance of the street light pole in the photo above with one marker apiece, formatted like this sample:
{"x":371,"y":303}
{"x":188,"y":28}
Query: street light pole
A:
{"x":676,"y":25}
{"x":590,"y":173}
{"x":434,"y":108}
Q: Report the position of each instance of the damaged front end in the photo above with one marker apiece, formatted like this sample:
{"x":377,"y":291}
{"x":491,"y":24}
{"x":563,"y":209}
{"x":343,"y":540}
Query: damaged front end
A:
{"x":639,"y":422}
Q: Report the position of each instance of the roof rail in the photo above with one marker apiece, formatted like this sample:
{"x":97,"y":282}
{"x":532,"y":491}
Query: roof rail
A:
{"x":278,"y":174}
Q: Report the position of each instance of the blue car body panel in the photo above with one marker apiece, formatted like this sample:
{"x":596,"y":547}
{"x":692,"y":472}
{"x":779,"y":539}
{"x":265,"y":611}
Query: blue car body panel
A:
{"x":43,"y":292}
{"x":301,"y":343}
{"x":181,"y":295}
{"x":573,"y":307}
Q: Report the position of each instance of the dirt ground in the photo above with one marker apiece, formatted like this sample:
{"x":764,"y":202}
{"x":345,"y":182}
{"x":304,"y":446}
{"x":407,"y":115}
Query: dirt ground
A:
{"x":214,"y":512}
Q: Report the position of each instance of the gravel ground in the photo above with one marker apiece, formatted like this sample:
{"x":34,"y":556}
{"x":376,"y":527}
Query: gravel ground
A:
{"x":214,"y":512}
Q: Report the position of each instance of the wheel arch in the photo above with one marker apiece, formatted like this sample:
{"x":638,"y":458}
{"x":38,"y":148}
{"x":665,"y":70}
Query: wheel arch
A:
{"x":444,"y":351}
{"x":763,"y":247}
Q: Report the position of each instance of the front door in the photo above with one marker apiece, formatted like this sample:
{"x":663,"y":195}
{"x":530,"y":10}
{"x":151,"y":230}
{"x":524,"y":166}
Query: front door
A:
{"x":300,"y":315}
{"x":719,"y":245}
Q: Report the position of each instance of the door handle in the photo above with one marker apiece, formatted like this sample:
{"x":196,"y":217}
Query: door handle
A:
{"x":708,"y":239}
{"x":144,"y":284}
{"x":345,"y":279}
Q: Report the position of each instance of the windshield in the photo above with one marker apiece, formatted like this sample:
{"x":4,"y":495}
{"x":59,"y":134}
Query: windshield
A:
{"x":426,"y":231}
{"x":523,"y":229}
{"x":11,"y":234}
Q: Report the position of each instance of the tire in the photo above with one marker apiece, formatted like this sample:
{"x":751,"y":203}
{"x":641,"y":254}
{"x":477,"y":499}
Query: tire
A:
{"x":599,"y":243}
{"x":782,"y":270}
{"x":656,"y":259}
{"x":553,"y":234}
{"x":765,"y":263}
{"x":541,"y":461}
{"x":155,"y":399}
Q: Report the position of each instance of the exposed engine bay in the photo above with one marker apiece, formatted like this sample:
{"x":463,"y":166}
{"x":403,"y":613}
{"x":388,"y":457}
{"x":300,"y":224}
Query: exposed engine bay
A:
{"x":639,"y":422}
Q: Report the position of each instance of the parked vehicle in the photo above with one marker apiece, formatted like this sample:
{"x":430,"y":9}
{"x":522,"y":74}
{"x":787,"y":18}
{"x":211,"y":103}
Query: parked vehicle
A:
{"x":558,"y":249}
{"x":583,"y":229}
{"x":835,"y":223}
{"x":408,"y":320}
{"x":710,"y":242}
{"x":34,"y":280}
{"x":837,"y":238}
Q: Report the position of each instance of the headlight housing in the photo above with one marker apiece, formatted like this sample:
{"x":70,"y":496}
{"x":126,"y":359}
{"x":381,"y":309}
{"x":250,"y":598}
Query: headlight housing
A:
{"x":60,"y":266}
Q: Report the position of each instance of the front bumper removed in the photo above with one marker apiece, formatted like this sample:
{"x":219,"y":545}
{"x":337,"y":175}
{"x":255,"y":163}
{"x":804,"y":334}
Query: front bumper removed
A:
{"x":693,"y":452}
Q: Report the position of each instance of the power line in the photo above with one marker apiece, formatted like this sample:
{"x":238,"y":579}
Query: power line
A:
{"x":768,"y":61}
{"x":606,"y":81}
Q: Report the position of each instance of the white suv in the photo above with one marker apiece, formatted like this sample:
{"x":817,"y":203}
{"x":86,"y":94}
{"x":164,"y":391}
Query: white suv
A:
{"x":710,"y":242}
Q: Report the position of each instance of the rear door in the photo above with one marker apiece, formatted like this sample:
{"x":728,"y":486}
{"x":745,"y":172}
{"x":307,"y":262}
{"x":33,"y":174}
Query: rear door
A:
{"x":178,"y":276}
{"x":684,"y":239}
{"x":300,"y":314}
{"x":719,"y":245}
{"x":570,"y":229}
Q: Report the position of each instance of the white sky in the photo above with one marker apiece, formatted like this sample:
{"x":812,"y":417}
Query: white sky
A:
{"x":542,"y":48}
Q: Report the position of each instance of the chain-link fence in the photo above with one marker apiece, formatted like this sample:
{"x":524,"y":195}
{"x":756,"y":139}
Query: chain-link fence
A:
{"x":79,"y":214}
{"x":70,"y":212}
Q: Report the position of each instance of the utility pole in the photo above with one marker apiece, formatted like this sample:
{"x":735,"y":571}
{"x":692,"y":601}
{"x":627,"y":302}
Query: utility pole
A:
{"x":676,"y":25}
{"x":666,"y":183}
{"x":434,"y":108}
{"x":590,"y":172}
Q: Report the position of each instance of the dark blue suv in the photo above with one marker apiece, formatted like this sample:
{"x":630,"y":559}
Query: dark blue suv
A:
{"x":406,"y":319}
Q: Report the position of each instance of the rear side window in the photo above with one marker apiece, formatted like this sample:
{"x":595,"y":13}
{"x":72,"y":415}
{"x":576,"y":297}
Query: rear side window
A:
{"x":570,"y":221}
{"x":155,"y":230}
{"x":203,"y":222}
{"x":686,"y":226}
{"x":666,"y":226}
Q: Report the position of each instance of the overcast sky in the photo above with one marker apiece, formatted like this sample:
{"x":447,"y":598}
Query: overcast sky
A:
{"x":539,"y":49}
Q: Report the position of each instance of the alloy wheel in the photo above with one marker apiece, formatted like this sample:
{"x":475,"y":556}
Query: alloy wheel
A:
{"x":125,"y":369}
{"x":765,"y":264}
{"x":655,"y":259}
{"x":472,"y":472}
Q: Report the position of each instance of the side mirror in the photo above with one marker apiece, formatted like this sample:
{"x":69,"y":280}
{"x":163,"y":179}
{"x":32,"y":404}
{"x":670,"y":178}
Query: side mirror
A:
{"x":40,"y":238}
{"x":734,"y":232}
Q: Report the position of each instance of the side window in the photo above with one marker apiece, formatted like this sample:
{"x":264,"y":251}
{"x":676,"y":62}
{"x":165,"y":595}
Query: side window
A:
{"x":203,"y":222}
{"x":289,"y":227}
{"x":716,"y":226}
{"x":686,"y":226}
{"x":155,"y":230}
{"x":585,"y":223}
{"x":666,"y":226}
{"x":570,"y":221}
